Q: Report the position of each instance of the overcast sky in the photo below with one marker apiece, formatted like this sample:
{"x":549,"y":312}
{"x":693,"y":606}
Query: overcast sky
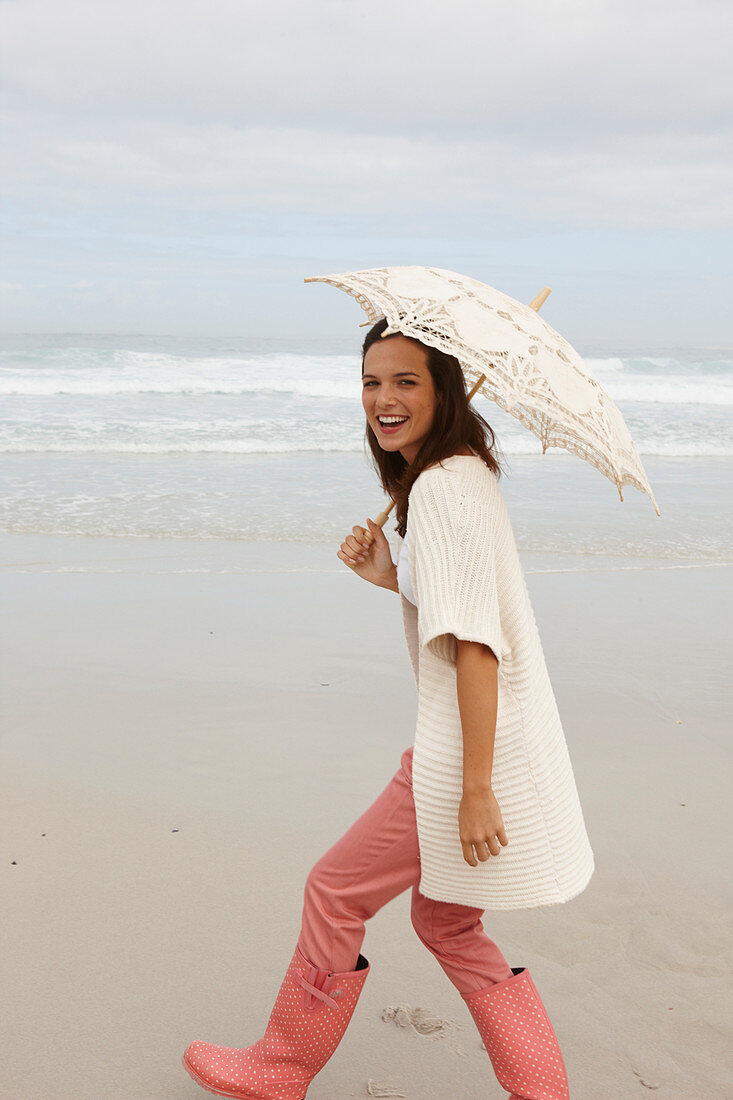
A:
{"x":179,"y":167}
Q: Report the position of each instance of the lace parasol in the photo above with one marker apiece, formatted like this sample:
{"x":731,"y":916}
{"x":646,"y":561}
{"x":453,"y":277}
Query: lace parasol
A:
{"x":521,"y":362}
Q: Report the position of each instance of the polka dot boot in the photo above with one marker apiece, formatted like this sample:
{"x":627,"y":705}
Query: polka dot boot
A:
{"x":519,"y":1038}
{"x":311,"y":1014}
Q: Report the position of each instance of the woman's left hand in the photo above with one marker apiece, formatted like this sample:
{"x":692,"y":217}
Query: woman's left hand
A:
{"x":480,"y":826}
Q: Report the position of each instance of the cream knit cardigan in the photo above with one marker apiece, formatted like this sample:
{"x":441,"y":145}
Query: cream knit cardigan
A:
{"x":469,"y":584}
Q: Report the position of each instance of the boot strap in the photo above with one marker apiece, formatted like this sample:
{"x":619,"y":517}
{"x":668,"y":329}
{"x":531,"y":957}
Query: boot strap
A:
{"x":313,"y":991}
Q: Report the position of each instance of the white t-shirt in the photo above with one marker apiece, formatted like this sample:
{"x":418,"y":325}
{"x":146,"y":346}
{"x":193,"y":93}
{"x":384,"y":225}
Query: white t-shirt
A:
{"x":404,"y":581}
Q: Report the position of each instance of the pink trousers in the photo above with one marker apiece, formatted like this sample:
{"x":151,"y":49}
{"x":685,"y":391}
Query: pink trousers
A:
{"x":373,"y":862}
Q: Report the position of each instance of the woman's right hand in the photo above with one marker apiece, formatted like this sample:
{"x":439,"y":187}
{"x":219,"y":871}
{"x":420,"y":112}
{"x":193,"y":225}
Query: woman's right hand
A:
{"x":373,"y":562}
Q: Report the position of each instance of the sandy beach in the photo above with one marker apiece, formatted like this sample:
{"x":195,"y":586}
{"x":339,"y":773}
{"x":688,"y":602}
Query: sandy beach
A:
{"x":207,"y":208}
{"x":189,"y":725}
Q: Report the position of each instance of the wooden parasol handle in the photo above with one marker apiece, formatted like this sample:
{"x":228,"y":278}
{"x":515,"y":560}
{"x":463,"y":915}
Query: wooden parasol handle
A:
{"x":381,"y":519}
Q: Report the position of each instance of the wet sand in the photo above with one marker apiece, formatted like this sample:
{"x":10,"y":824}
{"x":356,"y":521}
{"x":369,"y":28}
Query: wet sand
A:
{"x":178,"y":748}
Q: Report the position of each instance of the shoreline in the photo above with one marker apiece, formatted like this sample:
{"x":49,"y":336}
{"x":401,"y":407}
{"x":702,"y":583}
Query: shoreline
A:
{"x":555,"y":503}
{"x":26,"y":553}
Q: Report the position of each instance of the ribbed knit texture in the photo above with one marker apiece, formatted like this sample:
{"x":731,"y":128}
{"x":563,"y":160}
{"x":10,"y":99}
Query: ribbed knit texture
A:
{"x":469,"y":584}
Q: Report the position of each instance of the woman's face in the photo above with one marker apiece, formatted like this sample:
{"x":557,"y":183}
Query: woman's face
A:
{"x":398,"y":395}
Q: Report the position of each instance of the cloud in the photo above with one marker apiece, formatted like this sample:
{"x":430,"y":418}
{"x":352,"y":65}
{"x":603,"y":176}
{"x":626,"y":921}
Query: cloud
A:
{"x":610,"y":112}
{"x":149,"y":136}
{"x":414,"y":68}
{"x":217,"y":170}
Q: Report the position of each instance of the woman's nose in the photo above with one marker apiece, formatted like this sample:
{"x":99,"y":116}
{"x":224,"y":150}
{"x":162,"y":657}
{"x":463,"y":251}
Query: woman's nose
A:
{"x":385,"y":398}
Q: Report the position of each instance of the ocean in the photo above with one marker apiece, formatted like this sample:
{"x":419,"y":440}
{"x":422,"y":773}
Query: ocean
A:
{"x":263,"y":441}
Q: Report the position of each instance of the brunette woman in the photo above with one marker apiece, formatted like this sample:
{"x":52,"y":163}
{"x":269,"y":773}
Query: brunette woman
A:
{"x":483,"y":812}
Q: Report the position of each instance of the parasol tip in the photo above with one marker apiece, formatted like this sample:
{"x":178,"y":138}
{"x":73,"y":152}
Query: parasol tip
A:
{"x":541,"y":298}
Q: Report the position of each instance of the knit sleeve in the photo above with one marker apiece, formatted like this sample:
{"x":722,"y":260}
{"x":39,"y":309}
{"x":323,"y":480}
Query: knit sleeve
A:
{"x":454,"y":529}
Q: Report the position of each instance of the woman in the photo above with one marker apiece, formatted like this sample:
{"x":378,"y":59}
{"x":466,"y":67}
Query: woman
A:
{"x":486,"y":816}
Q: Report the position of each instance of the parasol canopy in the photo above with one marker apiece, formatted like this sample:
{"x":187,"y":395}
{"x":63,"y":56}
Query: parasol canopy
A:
{"x":512,"y":355}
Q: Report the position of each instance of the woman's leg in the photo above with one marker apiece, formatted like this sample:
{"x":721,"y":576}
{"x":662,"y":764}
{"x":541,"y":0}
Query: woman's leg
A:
{"x":374,"y":861}
{"x":504,"y":1002}
{"x":455,"y":935}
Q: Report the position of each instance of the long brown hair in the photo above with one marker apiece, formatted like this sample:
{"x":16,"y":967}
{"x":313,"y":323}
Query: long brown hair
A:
{"x":455,"y":425}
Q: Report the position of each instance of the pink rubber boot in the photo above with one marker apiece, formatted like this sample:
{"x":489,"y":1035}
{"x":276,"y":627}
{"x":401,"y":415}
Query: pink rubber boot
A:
{"x":311,"y":1014}
{"x":519,"y":1038}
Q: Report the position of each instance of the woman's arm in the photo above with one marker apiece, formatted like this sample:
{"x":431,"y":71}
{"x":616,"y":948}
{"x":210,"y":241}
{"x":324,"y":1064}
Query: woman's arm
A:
{"x":480,"y":824}
{"x":373,"y":562}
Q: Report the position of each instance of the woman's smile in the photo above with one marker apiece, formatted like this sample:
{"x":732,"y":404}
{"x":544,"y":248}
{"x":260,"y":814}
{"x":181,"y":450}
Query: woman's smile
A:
{"x":391,"y":424}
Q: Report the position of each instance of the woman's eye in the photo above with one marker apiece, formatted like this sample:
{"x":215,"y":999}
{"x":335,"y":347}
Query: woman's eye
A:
{"x":402,"y":382}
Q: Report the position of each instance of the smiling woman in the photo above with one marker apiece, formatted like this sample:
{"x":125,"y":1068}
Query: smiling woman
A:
{"x":483,"y":812}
